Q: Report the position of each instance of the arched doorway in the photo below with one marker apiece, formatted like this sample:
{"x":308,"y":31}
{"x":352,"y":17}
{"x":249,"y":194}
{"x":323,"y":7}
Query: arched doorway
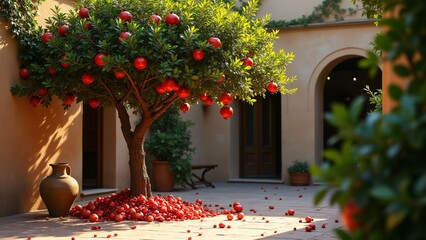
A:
{"x":343,"y":84}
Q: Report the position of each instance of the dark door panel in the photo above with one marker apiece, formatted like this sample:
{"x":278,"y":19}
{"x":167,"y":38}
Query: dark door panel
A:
{"x":92,"y":147}
{"x":261,"y":138}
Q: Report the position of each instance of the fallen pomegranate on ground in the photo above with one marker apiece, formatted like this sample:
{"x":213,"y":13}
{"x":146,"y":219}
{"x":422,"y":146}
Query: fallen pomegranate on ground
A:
{"x":308,"y":219}
{"x":238,"y":207}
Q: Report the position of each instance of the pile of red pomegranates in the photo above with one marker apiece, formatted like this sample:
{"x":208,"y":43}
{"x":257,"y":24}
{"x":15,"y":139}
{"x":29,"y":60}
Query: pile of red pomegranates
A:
{"x":121,"y":206}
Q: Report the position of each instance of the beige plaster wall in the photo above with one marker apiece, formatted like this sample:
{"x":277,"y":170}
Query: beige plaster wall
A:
{"x":31,"y":138}
{"x":211,"y":136}
{"x":115,"y":154}
{"x":122,"y":155}
{"x":291,"y":9}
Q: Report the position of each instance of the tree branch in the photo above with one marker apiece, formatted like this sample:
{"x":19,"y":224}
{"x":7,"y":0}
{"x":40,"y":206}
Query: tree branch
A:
{"x":142,"y":102}
{"x":125,"y":97}
{"x":157,"y":100}
{"x":163,"y":107}
{"x":135,"y":88}
{"x":143,"y":89}
{"x":115,"y":101}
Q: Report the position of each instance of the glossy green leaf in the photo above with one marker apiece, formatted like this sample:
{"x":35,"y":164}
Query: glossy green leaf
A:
{"x":383,"y":192}
{"x":356,"y":108}
{"x":395,"y":92}
{"x":420,"y":185}
{"x":320,"y":195}
{"x":343,"y":235}
{"x":402,"y":70}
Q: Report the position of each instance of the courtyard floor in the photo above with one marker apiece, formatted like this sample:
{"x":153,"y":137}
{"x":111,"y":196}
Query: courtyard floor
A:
{"x":264,"y":208}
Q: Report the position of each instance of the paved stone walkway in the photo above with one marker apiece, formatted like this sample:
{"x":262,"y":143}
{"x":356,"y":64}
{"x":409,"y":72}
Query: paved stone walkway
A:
{"x":266,"y":223}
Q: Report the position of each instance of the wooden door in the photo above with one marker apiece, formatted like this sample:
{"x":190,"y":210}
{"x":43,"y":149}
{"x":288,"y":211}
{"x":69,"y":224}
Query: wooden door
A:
{"x":92,"y":147}
{"x":260,"y":141}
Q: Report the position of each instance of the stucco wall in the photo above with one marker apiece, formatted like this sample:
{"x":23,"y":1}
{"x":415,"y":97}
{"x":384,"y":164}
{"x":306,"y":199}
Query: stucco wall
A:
{"x":290,"y":9}
{"x":115,"y":154}
{"x":211,"y":136}
{"x":31,"y":138}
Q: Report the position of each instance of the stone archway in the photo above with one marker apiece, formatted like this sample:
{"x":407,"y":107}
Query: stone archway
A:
{"x":344,"y":83}
{"x":316,"y":86}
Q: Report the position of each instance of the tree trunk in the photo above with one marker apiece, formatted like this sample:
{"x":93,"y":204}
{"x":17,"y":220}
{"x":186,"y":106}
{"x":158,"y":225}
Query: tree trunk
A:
{"x":139,"y":179}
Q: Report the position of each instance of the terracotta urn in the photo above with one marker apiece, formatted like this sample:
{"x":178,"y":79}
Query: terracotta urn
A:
{"x":59,"y":190}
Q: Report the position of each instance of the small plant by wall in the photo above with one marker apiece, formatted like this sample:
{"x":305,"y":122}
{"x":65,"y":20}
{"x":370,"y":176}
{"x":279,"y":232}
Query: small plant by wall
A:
{"x":320,"y":13}
{"x":20,"y":14}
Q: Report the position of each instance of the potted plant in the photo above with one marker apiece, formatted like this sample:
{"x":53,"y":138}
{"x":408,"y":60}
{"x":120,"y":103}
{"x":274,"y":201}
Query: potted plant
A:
{"x":170,"y":143}
{"x":299,"y":173}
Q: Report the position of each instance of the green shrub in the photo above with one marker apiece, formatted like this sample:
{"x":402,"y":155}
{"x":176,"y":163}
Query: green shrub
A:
{"x":170,"y":140}
{"x":298,"y":166}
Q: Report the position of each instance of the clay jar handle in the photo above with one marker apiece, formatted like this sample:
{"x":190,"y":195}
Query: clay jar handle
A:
{"x":68,"y":170}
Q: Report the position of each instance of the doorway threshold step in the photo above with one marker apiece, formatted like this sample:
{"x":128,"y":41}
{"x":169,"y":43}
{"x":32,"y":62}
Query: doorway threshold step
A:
{"x":255,"y":180}
{"x":97,"y":191}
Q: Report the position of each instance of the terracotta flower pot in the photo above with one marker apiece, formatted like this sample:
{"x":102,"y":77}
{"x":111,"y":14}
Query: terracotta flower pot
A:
{"x":300,"y":179}
{"x":59,"y":190}
{"x":163,"y":179}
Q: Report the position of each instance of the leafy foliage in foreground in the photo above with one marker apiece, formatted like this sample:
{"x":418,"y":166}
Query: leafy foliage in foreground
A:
{"x":380,"y":165}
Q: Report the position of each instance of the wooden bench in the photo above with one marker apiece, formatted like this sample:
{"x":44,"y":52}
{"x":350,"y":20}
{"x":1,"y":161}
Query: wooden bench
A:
{"x":201,"y":180}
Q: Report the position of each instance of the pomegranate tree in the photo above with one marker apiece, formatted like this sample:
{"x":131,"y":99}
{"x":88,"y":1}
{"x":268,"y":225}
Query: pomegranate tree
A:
{"x":144,"y":60}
